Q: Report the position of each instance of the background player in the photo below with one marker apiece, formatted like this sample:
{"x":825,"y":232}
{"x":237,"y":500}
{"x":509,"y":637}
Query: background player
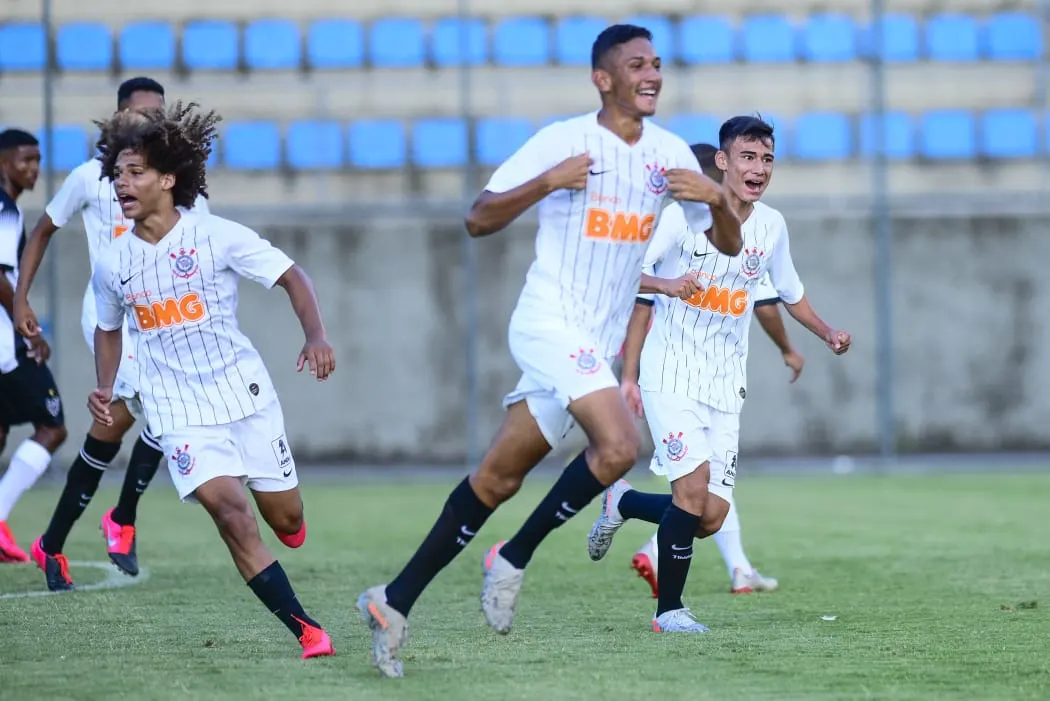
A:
{"x":27,"y":390}
{"x":601,"y":181}
{"x":88,"y":192}
{"x":693,"y":367}
{"x":205,"y":391}
{"x":744,"y":578}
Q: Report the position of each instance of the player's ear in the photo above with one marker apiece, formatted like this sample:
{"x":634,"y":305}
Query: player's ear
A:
{"x":602,"y":80}
{"x":722,"y":161}
{"x":167,"y":181}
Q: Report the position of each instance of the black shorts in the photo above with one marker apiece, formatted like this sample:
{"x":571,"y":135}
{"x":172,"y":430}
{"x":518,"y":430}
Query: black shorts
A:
{"x":28,"y":395}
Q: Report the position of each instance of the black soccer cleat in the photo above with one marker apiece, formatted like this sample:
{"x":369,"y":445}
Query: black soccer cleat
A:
{"x":120,"y":544}
{"x":55,"y":567}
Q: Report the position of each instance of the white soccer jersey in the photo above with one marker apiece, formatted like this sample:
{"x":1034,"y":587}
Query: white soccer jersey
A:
{"x":765,"y":293}
{"x":591,"y":243}
{"x":196,"y":367}
{"x":12,"y":240}
{"x":698,"y":347}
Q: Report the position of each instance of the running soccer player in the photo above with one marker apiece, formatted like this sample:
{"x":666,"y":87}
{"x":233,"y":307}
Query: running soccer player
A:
{"x":205,"y":390}
{"x":744,"y":578}
{"x":87,"y":191}
{"x":601,"y":181}
{"x":27,"y":389}
{"x":693,"y":379}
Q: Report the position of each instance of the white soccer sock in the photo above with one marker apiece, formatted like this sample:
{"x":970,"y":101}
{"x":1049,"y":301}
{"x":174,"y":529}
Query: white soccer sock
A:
{"x":27,"y":464}
{"x":730,"y":544}
{"x":654,"y":544}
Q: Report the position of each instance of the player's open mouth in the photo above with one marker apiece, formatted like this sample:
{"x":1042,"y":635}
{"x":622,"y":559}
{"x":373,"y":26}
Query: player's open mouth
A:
{"x":649,"y":92}
{"x":127,"y":201}
{"x":754,"y":185}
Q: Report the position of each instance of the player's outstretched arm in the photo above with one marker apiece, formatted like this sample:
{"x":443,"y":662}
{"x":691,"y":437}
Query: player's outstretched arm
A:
{"x":802,"y":311}
{"x":494,"y":211}
{"x":772,"y":323}
{"x":686,"y":186}
{"x":25,"y":318}
{"x":317,"y":353}
{"x":682,"y":287}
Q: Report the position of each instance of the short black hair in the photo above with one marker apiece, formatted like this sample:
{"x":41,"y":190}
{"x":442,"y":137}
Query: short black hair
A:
{"x":134,"y":85}
{"x":749,"y":127}
{"x":13,"y":138}
{"x":616,"y":35}
{"x":705,"y":154}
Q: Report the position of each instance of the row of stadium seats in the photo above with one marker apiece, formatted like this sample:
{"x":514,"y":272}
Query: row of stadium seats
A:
{"x":275,"y":44}
{"x":445,"y":142}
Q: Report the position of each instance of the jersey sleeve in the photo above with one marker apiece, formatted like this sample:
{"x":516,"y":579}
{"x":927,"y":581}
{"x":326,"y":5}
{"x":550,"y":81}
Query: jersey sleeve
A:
{"x":9,"y":237}
{"x":697,"y":214}
{"x":70,"y":198}
{"x":108,"y":301}
{"x":669,"y":232}
{"x":539,"y":154}
{"x":251,"y":256}
{"x":782,"y":273}
{"x":765,"y":293}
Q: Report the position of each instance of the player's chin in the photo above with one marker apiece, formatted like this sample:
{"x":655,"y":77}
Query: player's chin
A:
{"x":645,"y":105}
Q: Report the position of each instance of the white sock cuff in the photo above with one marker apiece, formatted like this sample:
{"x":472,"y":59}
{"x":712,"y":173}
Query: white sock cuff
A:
{"x":34,"y":455}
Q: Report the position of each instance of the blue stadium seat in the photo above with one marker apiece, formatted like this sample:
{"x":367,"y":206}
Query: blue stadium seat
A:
{"x":947,"y":134}
{"x":663,"y":34}
{"x":213,"y":157}
{"x":23,"y":47}
{"x":768,"y":39}
{"x":439,"y":143}
{"x":84,"y":46}
{"x":829,"y":38}
{"x":68,"y":143}
{"x":377,"y":144}
{"x":315,"y":145}
{"x":1009,"y":133}
{"x":1013,"y":36}
{"x":497,"y":138}
{"x":952,"y":37}
{"x":574,"y":37}
{"x":252,"y":146}
{"x":272,"y":44}
{"x":146,"y":45}
{"x":454,"y":42}
{"x":900,"y":39}
{"x":706,"y":40}
{"x":823,"y":136}
{"x":898,"y":135}
{"x":521,"y":41}
{"x":210,"y":45}
{"x":397,"y":43}
{"x":694,"y":128}
{"x":335,"y":43}
{"x":781,"y":135}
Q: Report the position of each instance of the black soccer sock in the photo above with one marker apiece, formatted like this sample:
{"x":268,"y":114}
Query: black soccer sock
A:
{"x":464,"y":514}
{"x":575,"y":489}
{"x":675,"y":540}
{"x":145,"y":459}
{"x":275,"y":591}
{"x":644,"y":505}
{"x":81,"y":483}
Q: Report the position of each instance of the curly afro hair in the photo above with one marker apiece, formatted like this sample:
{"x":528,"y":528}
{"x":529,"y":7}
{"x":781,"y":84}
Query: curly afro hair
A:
{"x":176,"y":141}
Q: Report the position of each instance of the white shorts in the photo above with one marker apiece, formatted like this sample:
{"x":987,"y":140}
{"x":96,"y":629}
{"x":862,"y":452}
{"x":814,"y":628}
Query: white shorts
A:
{"x":688,"y":433}
{"x":253,"y":449}
{"x":126,"y":386}
{"x":558,"y":366}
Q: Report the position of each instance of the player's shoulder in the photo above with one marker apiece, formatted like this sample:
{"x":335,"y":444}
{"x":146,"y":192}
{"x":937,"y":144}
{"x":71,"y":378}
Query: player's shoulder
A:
{"x":769,"y":216}
{"x":90,"y":171}
{"x":223,"y":231}
{"x":109,"y":258}
{"x":668,"y":139}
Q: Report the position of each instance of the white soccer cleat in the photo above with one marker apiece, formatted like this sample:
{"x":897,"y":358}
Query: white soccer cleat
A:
{"x":389,"y":631}
{"x":499,"y":592}
{"x":678,"y":621}
{"x":609,"y":521}
{"x":747,"y":582}
{"x":645,"y":563}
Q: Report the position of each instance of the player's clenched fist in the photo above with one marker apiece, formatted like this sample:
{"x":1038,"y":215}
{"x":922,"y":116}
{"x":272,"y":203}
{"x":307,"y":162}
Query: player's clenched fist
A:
{"x":570,"y":174}
{"x":98,"y":403}
{"x":682,"y":287}
{"x":317,"y":353}
{"x":838,"y":341}
{"x":692,"y":186}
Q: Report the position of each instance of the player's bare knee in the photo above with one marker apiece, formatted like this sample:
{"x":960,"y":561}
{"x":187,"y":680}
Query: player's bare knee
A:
{"x":108,"y":434}
{"x":287,"y":522}
{"x":494,"y":486}
{"x":689,"y":493}
{"x":611,"y":458}
{"x":235,"y":520}
{"x":51,"y":437}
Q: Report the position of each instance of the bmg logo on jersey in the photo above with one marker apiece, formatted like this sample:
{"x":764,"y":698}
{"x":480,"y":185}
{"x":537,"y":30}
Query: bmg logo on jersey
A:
{"x":719,"y":300}
{"x":171,"y":311}
{"x":618,"y":227}
{"x":184,"y":264}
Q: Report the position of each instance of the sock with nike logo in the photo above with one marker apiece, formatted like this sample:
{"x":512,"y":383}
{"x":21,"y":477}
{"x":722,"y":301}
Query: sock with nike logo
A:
{"x":275,"y":591}
{"x":81,"y":483}
{"x":574,"y":490}
{"x":464,"y":514}
{"x":675,"y":537}
{"x":145,"y":459}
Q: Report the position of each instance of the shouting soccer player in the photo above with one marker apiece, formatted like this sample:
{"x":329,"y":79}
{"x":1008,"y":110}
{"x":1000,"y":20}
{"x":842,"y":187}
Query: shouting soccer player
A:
{"x":693,"y":380}
{"x":744,"y":578}
{"x":88,"y":191}
{"x":205,"y":391}
{"x":601,"y":182}
{"x":27,"y":390}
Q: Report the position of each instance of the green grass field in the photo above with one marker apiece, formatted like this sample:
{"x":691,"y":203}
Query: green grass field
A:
{"x":939,"y":584}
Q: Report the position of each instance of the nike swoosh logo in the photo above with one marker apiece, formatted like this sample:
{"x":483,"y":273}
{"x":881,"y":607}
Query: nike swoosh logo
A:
{"x":600,"y":172}
{"x":684,"y":547}
{"x":288,"y":473}
{"x":466,"y":532}
{"x":697,"y":254}
{"x":124,"y":281}
{"x":566,"y":508}
{"x":727,"y":483}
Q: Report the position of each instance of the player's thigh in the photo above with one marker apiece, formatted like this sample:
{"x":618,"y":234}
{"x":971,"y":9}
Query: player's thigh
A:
{"x":724,"y":438}
{"x":605,"y":419}
{"x":197,"y":455}
{"x":224,"y":499}
{"x":520,"y":444}
{"x":680,"y":431}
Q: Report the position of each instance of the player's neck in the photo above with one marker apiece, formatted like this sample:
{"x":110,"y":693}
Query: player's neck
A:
{"x":12,"y":190}
{"x":741,"y":208}
{"x":625,"y":126}
{"x":156,"y":226}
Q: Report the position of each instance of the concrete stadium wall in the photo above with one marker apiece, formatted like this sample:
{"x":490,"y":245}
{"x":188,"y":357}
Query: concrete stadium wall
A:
{"x":970,"y":338}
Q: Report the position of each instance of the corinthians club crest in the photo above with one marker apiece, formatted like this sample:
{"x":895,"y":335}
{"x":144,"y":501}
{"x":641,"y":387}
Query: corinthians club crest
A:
{"x":676,"y":448}
{"x":184,"y":263}
{"x":655,"y":179}
{"x":752,"y":261}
